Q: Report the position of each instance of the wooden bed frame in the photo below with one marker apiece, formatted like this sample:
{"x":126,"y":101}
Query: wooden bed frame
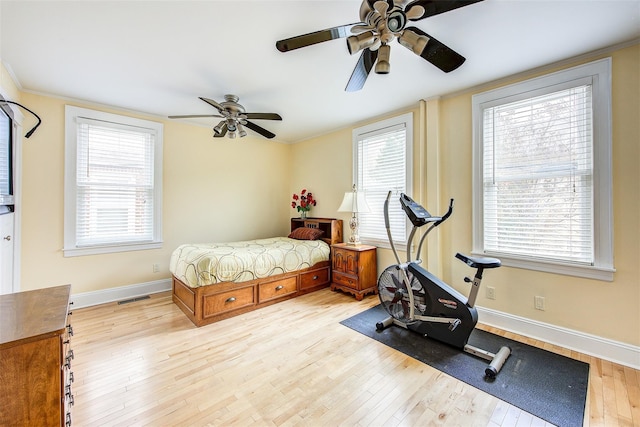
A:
{"x":208,"y":304}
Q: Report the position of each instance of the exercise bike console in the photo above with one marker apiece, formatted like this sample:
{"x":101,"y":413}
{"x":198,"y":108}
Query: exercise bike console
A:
{"x":419,"y":301}
{"x":418,"y":215}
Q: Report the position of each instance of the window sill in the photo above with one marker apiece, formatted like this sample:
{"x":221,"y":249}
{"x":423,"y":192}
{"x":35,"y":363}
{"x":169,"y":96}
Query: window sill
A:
{"x":96,"y":250}
{"x":586,"y":271}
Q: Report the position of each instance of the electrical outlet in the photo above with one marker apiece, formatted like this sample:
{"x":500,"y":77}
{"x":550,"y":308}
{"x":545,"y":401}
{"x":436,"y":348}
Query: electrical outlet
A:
{"x":491,"y":292}
{"x":156,"y":268}
{"x":539,"y":303}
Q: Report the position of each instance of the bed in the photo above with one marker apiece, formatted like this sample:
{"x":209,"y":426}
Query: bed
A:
{"x":215,"y":281}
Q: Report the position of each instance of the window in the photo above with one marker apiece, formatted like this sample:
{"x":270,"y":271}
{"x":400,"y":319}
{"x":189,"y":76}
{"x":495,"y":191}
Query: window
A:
{"x":542,"y":180}
{"x":113,"y":183}
{"x":6,"y":152}
{"x":382,"y":163}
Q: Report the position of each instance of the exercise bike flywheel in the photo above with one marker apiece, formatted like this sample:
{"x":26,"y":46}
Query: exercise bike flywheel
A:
{"x":395,"y":298}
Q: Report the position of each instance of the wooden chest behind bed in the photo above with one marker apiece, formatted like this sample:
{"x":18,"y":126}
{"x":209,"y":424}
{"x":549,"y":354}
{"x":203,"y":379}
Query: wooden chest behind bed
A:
{"x":208,"y":304}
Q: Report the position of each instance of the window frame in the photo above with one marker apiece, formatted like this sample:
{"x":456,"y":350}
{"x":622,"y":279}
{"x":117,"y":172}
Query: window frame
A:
{"x":71,"y":248}
{"x":405,"y":120}
{"x":599,"y":73}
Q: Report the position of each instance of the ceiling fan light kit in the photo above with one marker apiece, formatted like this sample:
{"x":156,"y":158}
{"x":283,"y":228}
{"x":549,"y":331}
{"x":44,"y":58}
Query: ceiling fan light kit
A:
{"x":235,"y":118}
{"x":382,"y":21}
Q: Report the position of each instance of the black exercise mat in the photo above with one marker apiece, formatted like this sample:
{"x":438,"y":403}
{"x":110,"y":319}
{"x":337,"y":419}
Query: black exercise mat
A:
{"x":548,"y":385}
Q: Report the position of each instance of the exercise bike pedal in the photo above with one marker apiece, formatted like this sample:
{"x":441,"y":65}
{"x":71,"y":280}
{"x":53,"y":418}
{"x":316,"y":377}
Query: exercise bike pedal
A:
{"x":454,"y":324}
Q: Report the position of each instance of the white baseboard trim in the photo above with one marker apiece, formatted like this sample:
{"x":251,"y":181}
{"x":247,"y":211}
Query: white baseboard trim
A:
{"x":87,"y":299}
{"x":603,"y":348}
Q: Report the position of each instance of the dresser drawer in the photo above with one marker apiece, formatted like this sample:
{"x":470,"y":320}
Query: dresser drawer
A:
{"x":277,"y":288}
{"x":227,"y":301}
{"x":343,"y":279}
{"x":314,"y":278}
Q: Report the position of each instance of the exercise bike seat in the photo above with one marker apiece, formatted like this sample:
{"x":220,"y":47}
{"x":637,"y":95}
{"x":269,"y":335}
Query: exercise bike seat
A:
{"x":479,"y":262}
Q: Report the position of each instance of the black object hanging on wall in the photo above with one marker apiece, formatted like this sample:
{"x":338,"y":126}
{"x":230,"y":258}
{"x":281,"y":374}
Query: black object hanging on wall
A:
{"x":28,"y":134}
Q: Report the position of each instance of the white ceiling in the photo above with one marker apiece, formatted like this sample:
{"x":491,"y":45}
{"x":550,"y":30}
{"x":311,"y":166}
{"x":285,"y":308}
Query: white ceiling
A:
{"x":157,"y":57}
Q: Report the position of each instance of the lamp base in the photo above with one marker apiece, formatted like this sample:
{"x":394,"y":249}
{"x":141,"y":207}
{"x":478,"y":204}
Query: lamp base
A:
{"x":354,"y":239}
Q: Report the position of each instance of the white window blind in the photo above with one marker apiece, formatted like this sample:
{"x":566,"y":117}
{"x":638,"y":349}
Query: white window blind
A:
{"x":381,"y":157}
{"x":114,"y":198}
{"x":5,"y":153}
{"x":113,"y":183}
{"x":538,"y":176}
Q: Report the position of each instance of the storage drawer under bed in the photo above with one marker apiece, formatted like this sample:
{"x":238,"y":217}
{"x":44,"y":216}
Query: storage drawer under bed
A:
{"x":277,"y":288}
{"x":314,"y":278}
{"x":227,"y":301}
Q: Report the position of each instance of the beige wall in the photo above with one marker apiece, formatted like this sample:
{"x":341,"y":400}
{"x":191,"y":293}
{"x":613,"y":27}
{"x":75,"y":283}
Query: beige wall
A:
{"x":214,"y":190}
{"x":7,"y":88}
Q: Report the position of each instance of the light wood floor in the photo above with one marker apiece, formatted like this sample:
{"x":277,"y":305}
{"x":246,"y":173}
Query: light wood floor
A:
{"x":144,"y":363}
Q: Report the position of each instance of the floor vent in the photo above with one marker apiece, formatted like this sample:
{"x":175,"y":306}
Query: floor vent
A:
{"x":127,"y":301}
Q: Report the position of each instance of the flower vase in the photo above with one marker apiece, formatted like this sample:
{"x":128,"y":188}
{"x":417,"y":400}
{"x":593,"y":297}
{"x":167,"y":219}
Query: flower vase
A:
{"x":303,"y":214}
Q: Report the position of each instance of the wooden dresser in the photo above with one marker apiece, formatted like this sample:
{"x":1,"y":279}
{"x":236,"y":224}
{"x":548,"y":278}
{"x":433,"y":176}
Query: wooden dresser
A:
{"x":354,"y":269}
{"x":35,"y":358}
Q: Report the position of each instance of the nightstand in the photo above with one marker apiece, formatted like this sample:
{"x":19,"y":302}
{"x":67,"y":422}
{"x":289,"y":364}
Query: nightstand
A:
{"x":354,"y":269}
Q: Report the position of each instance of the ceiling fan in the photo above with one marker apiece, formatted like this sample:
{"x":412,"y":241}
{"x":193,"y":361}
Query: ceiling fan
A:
{"x":235,"y":118}
{"x":382,"y":22}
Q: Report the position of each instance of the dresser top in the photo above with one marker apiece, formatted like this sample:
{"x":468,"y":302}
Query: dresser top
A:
{"x":34,"y":314}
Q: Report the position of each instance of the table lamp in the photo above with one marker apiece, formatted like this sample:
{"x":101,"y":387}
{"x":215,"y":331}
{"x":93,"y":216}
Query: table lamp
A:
{"x":354,"y":202}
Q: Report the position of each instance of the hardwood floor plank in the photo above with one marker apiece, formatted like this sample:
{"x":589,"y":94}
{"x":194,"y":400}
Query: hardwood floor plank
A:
{"x":289,"y":364}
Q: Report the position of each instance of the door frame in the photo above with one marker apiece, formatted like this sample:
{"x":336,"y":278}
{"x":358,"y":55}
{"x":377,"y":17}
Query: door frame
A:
{"x":16,"y":237}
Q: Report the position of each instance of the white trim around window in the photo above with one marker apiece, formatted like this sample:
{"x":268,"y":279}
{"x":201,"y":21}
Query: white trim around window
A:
{"x":383,"y":162}
{"x":113,"y":183}
{"x":598,"y":261}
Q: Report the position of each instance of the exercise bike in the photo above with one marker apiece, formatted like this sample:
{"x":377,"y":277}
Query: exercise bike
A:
{"x":419,"y":301}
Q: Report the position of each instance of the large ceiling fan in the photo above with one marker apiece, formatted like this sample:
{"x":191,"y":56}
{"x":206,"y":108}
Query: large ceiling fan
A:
{"x":235,"y":118}
{"x":382,"y":22}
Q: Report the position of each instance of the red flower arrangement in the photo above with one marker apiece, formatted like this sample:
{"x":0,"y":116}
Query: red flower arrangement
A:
{"x":305,"y":200}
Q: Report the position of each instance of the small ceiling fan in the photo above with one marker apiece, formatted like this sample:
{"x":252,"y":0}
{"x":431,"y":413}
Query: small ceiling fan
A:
{"x":235,"y":118}
{"x":382,"y":22}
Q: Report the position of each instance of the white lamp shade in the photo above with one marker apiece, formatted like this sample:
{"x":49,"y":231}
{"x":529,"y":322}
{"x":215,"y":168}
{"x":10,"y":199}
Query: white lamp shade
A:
{"x":354,"y":202}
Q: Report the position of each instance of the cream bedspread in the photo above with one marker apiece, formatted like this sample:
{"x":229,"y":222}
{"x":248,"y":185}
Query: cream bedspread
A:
{"x":208,"y":263}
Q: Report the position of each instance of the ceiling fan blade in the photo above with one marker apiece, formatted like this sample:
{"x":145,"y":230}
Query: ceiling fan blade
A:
{"x":316,"y":37}
{"x":262,"y":131}
{"x":420,"y":9}
{"x":192,"y":116}
{"x":361,"y":71}
{"x":437,"y":53}
{"x":213,"y":103}
{"x":263,"y":116}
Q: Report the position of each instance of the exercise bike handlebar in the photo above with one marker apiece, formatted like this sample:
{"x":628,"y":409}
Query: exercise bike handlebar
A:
{"x":446,"y":215}
{"x":388,"y":227}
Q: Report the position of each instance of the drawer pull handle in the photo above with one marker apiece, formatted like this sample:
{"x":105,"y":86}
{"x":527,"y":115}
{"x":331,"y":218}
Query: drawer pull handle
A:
{"x":315,"y":277}
{"x":279,"y":287}
{"x":231,"y":299}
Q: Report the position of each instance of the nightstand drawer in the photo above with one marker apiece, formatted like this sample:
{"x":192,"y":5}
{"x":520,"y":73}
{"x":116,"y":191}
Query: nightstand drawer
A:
{"x":343,"y":279}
